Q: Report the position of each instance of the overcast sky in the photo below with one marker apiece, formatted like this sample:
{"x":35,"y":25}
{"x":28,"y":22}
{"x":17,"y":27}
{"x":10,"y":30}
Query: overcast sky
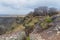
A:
{"x":25,"y":6}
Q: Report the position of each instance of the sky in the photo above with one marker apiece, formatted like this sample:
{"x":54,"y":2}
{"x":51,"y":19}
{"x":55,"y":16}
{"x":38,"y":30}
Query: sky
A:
{"x":23,"y":7}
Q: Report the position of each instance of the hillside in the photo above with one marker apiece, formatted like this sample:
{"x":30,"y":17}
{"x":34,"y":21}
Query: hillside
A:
{"x":42,"y":24}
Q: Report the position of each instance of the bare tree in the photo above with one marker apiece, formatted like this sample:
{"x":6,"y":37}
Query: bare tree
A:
{"x":41,"y":11}
{"x":52,"y":11}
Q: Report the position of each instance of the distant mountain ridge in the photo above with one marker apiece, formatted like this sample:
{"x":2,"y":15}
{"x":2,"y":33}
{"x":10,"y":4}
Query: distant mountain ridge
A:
{"x":11,"y":15}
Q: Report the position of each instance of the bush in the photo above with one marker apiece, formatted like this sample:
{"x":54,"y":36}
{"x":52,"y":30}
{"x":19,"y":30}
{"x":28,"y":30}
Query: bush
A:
{"x":48,"y":19}
{"x":44,"y":25}
{"x":46,"y":22}
{"x":2,"y":31}
{"x":28,"y":38}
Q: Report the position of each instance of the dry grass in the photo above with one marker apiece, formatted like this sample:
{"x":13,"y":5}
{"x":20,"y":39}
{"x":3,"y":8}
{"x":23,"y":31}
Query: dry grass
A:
{"x":17,"y":28}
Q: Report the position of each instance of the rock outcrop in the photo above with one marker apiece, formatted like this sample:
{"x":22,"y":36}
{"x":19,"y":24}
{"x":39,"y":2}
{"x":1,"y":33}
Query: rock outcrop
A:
{"x":52,"y":33}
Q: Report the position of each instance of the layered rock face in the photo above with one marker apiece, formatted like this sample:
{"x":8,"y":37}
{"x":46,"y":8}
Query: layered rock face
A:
{"x":52,"y":33}
{"x":19,"y":35}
